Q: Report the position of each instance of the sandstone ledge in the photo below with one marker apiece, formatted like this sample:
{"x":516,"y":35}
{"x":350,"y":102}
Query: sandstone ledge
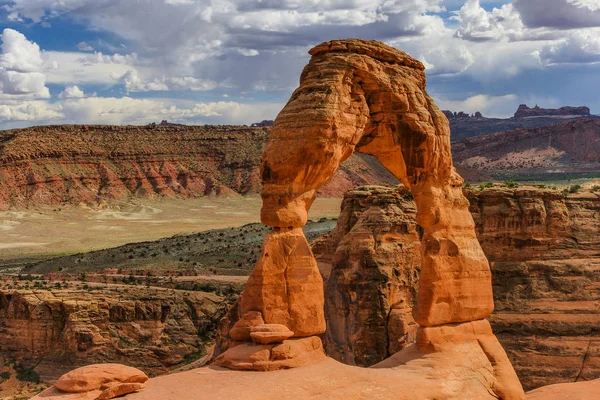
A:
{"x":328,"y":380}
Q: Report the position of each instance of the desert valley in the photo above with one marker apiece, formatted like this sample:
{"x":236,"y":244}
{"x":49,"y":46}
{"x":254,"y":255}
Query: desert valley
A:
{"x":372,"y":237}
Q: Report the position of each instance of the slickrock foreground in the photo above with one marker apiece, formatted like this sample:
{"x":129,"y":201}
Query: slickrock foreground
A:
{"x":365,"y":96}
{"x":330,"y":380}
{"x":545,"y":259}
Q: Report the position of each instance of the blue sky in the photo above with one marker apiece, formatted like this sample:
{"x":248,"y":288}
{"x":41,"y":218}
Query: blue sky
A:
{"x":237,"y":61}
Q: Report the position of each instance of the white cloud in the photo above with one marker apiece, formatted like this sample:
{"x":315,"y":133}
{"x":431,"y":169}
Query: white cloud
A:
{"x":83,"y":46}
{"x":579,"y":47}
{"x":133,"y":83}
{"x":20,"y":67}
{"x":70,"y":68}
{"x":248,"y":52}
{"x":593,"y":5}
{"x":126,"y":110}
{"x":99,"y":58}
{"x":73,"y":92}
{"x":489,"y":106}
{"x":29,"y":111}
{"x":477,"y":24}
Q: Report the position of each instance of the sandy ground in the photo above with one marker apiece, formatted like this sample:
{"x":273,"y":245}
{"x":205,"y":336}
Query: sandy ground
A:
{"x":47,"y":231}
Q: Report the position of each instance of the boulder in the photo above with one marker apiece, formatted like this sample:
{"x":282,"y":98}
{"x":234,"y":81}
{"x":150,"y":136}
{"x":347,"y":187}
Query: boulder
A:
{"x":270,"y":333}
{"x":242,"y":328}
{"x":95,"y":376}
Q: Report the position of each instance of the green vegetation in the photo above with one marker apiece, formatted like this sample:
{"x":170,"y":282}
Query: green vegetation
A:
{"x":510,"y":184}
{"x":5,"y":375}
{"x":26,"y":374}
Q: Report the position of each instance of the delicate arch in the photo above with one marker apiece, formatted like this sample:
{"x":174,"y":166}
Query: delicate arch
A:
{"x":358,"y":95}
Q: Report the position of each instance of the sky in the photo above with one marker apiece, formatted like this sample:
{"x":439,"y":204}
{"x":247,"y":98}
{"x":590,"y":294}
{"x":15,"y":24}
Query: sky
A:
{"x":238,"y":61}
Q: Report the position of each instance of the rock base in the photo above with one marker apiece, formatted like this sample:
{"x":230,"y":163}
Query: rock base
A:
{"x":291,"y":353}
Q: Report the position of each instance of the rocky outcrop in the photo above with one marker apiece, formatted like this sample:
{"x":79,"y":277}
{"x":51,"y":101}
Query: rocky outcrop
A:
{"x":525,"y":112}
{"x":98,"y":382}
{"x":370,"y":263}
{"x":461,"y":115}
{"x":152,"y":329}
{"x":544,"y":251}
{"x":571,"y":391}
{"x":365,"y":96}
{"x":88,"y":164}
{"x":554,"y":150}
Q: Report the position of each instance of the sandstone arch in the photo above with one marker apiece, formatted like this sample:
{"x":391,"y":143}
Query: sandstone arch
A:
{"x":357,"y":95}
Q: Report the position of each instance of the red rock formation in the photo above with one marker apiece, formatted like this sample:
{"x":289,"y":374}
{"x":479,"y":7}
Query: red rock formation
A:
{"x":97,"y":381}
{"x":93,"y":377}
{"x":572,"y":391}
{"x":544,"y":250}
{"x":54,"y":331}
{"x":370,"y":263}
{"x":365,"y":96}
{"x":567,"y":147}
{"x":545,"y":256}
{"x":87,"y":164}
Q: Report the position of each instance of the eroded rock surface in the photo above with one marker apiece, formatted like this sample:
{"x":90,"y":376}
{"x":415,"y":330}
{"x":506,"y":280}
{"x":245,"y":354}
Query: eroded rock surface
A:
{"x":153,"y":329}
{"x":96,"y":376}
{"x":545,"y":258}
{"x":544,"y":250}
{"x":370,"y":263}
{"x":89,"y":164}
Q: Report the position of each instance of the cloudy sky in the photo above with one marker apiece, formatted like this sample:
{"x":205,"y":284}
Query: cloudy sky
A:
{"x":237,"y":61}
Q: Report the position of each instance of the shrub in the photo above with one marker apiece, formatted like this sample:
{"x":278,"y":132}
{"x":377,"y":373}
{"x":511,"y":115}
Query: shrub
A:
{"x":5,"y":375}
{"x":27,"y":375}
{"x":510,"y":184}
{"x":574,"y":188}
{"x":595,"y":189}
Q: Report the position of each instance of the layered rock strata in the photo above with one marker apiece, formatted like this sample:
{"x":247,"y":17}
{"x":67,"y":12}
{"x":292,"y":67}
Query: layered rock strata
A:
{"x":365,"y":96}
{"x":153,"y":329}
{"x":560,"y":150}
{"x":91,"y":163}
{"x":544,"y":251}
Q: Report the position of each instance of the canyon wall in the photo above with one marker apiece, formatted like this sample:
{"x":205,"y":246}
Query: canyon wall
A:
{"x":53,"y":331}
{"x":558,"y":150}
{"x":88,"y":164}
{"x":544,"y":252}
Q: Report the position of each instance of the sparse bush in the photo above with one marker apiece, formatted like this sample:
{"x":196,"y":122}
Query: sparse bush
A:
{"x":595,"y":189}
{"x":26,"y":375}
{"x":574,"y":188}
{"x":5,"y":375}
{"x":510,"y":184}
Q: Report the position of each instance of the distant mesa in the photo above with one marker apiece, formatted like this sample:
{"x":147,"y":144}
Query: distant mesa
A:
{"x":461,"y":115}
{"x":263,"y":123}
{"x":525,"y":112}
{"x":164,"y":122}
